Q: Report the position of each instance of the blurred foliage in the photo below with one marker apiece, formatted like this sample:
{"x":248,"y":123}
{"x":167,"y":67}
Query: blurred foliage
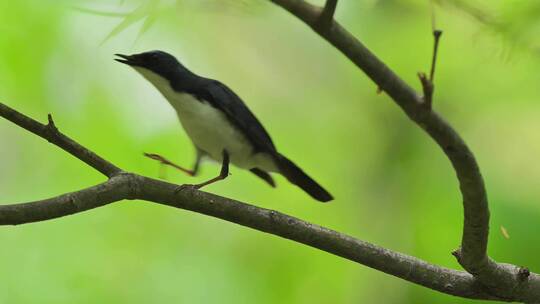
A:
{"x":393,"y":185}
{"x":516,"y":21}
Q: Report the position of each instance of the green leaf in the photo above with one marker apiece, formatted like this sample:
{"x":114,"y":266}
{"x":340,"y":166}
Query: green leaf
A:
{"x":145,"y":10}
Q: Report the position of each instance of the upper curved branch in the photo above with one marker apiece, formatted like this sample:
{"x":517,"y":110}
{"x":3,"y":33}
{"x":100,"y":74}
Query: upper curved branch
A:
{"x":502,"y":280}
{"x":476,"y":227}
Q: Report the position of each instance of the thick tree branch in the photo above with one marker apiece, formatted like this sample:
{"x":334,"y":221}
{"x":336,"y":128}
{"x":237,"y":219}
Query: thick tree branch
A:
{"x":132,"y":186}
{"x":115,"y":189}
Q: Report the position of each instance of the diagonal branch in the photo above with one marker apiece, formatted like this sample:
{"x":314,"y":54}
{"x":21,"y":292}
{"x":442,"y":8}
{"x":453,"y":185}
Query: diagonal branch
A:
{"x":52,"y":135}
{"x":113,"y":190}
{"x":132,"y":186}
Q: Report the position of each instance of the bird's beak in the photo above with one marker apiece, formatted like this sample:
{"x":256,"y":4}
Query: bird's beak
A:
{"x":130,"y":60}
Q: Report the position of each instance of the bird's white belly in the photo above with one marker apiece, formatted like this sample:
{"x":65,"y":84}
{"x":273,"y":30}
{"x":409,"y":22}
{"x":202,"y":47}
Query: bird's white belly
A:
{"x":209,"y":129}
{"x":212,"y":132}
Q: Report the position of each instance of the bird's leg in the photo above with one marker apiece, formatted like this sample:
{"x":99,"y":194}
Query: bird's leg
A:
{"x":222,"y":174}
{"x":164,"y":161}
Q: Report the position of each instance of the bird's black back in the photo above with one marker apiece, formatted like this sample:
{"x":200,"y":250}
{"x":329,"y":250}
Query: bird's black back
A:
{"x":236,"y":111}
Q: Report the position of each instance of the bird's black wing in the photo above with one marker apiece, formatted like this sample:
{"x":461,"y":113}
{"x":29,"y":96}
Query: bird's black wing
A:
{"x":223,"y":98}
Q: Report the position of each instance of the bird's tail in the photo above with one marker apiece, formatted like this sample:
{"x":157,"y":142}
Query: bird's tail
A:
{"x":296,"y":176}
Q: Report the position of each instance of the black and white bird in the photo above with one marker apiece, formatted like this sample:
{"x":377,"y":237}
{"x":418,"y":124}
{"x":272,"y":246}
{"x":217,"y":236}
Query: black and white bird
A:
{"x":218,"y":123}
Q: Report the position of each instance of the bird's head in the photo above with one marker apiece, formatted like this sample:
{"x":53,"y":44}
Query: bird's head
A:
{"x":159,"y":62}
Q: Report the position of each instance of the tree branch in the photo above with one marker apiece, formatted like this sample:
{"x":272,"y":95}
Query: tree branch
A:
{"x":132,"y":186}
{"x":473,"y":254}
{"x":115,"y":189}
{"x":474,"y":243}
{"x":52,"y":135}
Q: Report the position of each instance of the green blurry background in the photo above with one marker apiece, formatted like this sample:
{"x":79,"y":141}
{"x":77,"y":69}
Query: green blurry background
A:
{"x":393,"y":186}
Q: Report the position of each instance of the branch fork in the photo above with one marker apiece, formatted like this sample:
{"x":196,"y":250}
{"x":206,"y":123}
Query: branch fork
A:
{"x":326,"y":16}
{"x":427,"y":83}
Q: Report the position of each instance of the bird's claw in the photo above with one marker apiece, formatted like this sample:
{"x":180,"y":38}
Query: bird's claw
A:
{"x":186,"y":187}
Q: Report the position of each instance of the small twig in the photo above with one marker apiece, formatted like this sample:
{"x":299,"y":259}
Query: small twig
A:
{"x":427,"y":88}
{"x":51,"y":121}
{"x":327,"y":14}
{"x":437,"y":37}
{"x":428,"y":85}
{"x":52,"y":130}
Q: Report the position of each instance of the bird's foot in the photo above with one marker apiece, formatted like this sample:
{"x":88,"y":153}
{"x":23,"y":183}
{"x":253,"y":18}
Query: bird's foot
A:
{"x":186,"y":187}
